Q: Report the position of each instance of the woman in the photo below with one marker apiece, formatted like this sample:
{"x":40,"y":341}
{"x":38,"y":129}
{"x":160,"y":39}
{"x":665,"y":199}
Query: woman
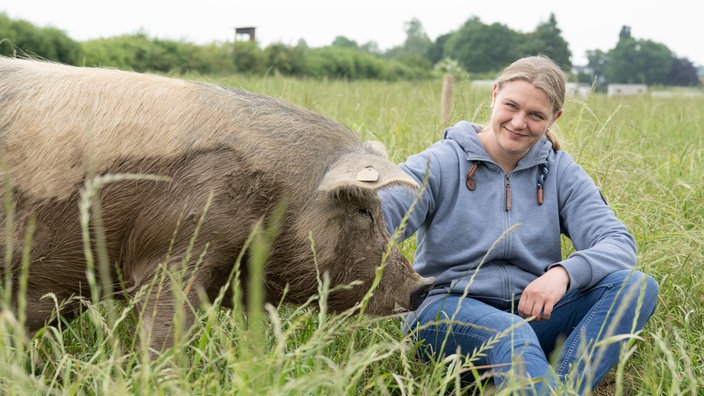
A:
{"x":489,"y":218}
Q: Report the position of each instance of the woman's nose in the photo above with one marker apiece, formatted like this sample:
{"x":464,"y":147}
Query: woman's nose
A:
{"x":519,"y":121}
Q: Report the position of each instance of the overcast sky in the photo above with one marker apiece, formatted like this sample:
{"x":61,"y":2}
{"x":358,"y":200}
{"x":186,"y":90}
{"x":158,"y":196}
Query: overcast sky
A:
{"x":587,"y":25}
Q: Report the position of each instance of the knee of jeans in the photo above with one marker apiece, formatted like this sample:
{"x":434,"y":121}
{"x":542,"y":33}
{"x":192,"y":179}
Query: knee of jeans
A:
{"x":646,"y":285}
{"x":522,"y":334}
{"x":650,"y":294}
{"x":519,"y":342}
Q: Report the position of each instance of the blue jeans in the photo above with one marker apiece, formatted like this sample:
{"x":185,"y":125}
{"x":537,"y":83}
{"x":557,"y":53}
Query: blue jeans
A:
{"x":583,"y":328}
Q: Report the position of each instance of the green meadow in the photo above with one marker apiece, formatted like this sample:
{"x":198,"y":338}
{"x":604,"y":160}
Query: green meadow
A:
{"x":646,"y":153}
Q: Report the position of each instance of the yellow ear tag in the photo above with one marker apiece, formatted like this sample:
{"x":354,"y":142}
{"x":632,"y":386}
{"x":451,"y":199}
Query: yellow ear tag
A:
{"x":368,"y":174}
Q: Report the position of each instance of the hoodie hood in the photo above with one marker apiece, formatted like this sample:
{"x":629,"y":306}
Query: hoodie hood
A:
{"x":465,"y":135}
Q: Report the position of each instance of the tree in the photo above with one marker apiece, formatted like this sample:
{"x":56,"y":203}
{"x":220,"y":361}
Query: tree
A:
{"x":683,"y":73}
{"x":549,"y":39}
{"x":638,"y":62}
{"x":482,"y":48}
{"x":625,"y":33}
{"x":302,"y":45}
{"x":596,"y":69}
{"x":417,"y":41}
{"x":436,"y":52}
{"x":596,"y":61}
{"x":414,"y":51}
{"x":344,"y":42}
{"x":372,"y":47}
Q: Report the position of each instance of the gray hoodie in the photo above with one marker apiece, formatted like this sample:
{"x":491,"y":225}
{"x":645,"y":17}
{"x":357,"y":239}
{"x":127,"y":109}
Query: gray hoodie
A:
{"x":475,"y":241}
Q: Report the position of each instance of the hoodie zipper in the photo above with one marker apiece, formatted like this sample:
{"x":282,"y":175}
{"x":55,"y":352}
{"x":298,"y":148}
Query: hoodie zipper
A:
{"x":542,"y":174}
{"x":508,"y":194}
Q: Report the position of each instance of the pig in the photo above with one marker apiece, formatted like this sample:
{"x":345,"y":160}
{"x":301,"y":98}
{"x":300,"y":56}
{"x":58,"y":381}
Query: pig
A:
{"x":224,"y":163}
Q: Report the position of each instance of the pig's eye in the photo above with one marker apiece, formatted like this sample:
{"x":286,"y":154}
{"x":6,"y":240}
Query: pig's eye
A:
{"x":367,"y":212}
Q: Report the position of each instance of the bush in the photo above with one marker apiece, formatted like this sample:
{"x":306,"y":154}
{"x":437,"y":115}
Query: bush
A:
{"x":143,"y":54}
{"x":18,"y":37}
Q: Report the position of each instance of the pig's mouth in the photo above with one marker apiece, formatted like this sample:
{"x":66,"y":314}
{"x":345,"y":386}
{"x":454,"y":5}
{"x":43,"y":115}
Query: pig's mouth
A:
{"x":420,"y":293}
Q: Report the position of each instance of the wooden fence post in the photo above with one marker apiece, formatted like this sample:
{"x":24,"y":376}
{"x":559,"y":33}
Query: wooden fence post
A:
{"x":448,"y":83}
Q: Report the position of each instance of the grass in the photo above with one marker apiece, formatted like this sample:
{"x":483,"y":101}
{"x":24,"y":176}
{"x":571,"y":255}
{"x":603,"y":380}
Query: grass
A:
{"x":645,"y":153}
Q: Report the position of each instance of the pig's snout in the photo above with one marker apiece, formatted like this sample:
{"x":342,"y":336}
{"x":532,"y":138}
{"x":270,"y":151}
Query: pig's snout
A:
{"x":420,"y":292}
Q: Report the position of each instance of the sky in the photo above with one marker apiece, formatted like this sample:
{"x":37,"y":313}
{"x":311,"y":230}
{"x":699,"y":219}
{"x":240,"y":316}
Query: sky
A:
{"x":587,"y":25}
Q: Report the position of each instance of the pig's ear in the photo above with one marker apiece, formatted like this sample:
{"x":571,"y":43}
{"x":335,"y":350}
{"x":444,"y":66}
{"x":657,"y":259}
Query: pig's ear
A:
{"x":375,"y":147}
{"x":365,"y":171}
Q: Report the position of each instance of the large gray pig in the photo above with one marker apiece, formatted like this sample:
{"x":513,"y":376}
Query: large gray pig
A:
{"x":238,"y":154}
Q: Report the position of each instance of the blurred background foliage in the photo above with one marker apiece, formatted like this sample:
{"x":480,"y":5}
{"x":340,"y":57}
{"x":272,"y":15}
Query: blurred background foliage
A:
{"x":475,"y":50}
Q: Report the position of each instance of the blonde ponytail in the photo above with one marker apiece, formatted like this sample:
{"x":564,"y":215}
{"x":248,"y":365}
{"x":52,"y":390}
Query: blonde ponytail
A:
{"x":552,"y":137}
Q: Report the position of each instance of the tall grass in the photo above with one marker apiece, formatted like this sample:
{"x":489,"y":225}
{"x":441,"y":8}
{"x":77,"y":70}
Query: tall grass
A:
{"x":646,"y":154}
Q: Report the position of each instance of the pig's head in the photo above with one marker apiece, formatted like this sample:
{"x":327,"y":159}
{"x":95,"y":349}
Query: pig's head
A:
{"x":351,"y":239}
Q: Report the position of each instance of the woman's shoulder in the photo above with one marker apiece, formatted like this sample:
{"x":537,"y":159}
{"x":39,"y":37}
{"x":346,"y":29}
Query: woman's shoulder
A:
{"x":567,"y":169}
{"x":439,"y":157}
{"x":561,"y":158}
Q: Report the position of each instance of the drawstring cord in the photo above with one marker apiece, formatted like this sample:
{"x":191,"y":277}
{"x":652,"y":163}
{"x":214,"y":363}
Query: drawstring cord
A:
{"x":542,"y":174}
{"x":471,"y":185}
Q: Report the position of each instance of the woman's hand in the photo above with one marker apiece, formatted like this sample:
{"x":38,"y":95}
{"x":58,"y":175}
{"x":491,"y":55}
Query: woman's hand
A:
{"x":541,"y":295}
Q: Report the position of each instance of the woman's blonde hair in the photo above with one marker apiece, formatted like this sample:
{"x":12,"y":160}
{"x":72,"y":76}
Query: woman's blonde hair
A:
{"x":545,"y":75}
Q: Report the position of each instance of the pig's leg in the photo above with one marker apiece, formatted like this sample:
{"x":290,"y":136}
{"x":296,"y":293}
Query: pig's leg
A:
{"x":41,"y":306}
{"x":167,"y":309}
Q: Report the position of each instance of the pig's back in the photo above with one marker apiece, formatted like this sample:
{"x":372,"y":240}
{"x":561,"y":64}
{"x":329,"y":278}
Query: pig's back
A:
{"x":57,"y":120}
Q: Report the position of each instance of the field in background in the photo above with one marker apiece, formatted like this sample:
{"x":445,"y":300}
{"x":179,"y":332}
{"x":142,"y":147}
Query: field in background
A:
{"x":646,"y":153}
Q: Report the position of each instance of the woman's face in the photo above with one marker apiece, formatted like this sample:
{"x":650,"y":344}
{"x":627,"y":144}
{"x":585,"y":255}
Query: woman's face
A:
{"x":521,"y":115}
